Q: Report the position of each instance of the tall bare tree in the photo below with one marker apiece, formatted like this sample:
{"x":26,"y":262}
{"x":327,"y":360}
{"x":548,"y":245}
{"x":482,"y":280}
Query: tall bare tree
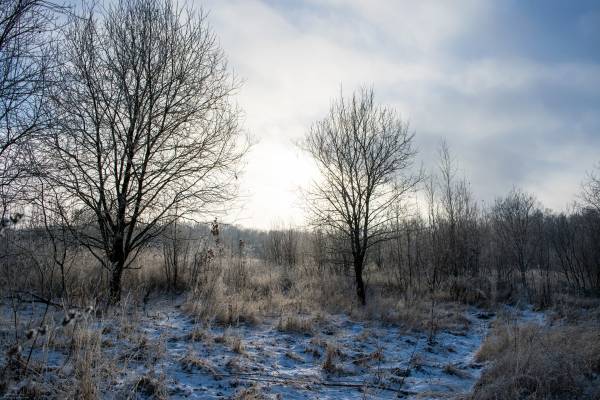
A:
{"x":146,"y":131}
{"x":26,"y":59}
{"x":458,"y":214}
{"x":363,"y":152}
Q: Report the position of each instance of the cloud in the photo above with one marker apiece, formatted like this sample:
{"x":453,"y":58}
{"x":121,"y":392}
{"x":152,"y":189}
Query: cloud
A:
{"x":516,"y":101}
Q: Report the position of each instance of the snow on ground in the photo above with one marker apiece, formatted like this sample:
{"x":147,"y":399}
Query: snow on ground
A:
{"x":369,"y":359}
{"x":366,"y":359}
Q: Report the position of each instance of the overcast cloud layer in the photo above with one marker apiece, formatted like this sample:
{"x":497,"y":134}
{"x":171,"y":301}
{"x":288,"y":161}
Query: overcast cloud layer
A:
{"x":514,"y":87}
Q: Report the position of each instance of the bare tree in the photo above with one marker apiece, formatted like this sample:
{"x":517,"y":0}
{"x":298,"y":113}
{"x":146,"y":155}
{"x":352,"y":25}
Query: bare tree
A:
{"x":274,"y":247}
{"x":26,"y":59}
{"x":281,"y":246}
{"x":176,"y":246}
{"x":458,"y":212}
{"x":513,"y":221}
{"x":436,"y":253}
{"x":591,"y":190}
{"x":363,"y":151}
{"x":290,"y":247}
{"x":447,"y":183}
{"x":146,"y":132}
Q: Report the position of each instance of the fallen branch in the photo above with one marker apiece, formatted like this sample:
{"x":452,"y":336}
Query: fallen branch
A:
{"x":289,"y":379}
{"x":34,"y":298}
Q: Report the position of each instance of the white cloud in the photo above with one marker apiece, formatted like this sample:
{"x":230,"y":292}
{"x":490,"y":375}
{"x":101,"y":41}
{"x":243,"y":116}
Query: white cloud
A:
{"x":293,"y":60}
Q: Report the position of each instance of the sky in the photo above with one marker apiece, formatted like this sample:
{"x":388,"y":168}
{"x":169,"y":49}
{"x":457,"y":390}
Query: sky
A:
{"x":512,"y":86}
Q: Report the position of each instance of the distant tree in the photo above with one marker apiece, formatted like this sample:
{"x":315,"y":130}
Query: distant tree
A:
{"x":363,"y":152}
{"x":399,"y":254}
{"x":436,"y":255}
{"x":281,"y":246}
{"x":177,"y":252}
{"x":274,"y":246}
{"x":591,"y":190}
{"x":458,"y":215}
{"x":318,"y":249}
{"x":514,"y":225}
{"x":145,"y":129}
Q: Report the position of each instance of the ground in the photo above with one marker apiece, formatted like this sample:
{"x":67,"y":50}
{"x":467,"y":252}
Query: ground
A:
{"x":163,"y":352}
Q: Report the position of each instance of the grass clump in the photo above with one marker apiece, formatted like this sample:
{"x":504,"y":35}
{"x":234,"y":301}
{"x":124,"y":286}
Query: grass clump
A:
{"x":151,"y":386}
{"x":333,"y":357}
{"x":191,"y":362}
{"x":296,"y":324}
{"x":534,"y":362}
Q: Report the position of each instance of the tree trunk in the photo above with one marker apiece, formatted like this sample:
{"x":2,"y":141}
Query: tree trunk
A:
{"x":360,"y":286}
{"x":117,"y":258}
{"x":115,"y":284}
{"x":523,"y":273}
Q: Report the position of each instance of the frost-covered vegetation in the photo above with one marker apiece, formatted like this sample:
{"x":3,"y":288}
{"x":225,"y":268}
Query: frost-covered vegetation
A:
{"x":167,"y":353}
{"x":255,"y":329}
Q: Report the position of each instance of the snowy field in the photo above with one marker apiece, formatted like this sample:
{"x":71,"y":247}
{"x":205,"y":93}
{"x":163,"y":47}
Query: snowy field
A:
{"x":163,"y":351}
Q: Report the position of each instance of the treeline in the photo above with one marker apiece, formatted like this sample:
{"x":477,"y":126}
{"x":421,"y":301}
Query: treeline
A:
{"x":512,"y":249}
{"x":445,"y":241}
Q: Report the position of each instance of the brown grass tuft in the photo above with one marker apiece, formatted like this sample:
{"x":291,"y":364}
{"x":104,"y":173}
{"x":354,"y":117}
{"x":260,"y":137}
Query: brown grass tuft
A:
{"x":333,"y":355}
{"x":152,"y":387}
{"x":191,"y":362}
{"x":254,"y":392}
{"x":293,"y":356}
{"x":199,"y":335}
{"x":237,"y":345}
{"x":296,"y":324}
{"x":534,"y":362}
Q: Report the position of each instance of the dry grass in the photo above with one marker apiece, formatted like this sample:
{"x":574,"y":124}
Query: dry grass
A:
{"x":296,"y":324}
{"x":212,"y":300}
{"x":471,"y":291}
{"x":191,"y":362}
{"x":533,"y":362}
{"x":235,"y":365}
{"x":74,"y":358}
{"x":415,"y":315}
{"x":237,"y":345}
{"x":293,"y":356}
{"x":152,"y":387}
{"x":254,"y":392}
{"x":365,"y":359}
{"x":333,"y":355}
{"x":143,"y":349}
{"x":200,"y":334}
{"x":234,"y":342}
{"x":219,"y":293}
{"x":87,"y":344}
{"x":452,"y":369}
{"x":576,"y":309}
{"x":267,"y":291}
{"x":301,"y":298}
